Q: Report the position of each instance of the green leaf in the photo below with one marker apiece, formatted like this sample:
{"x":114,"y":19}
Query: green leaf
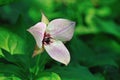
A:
{"x":99,"y":76}
{"x":102,"y":59}
{"x":108,"y":27}
{"x":74,"y":73}
{"x":4,"y":2}
{"x":93,"y":55}
{"x":106,"y":52}
{"x":1,"y":54}
{"x":11,"y":42}
{"x":79,"y":52}
{"x":9,"y":70}
{"x":3,"y":77}
{"x":48,"y":76}
{"x":20,"y":60}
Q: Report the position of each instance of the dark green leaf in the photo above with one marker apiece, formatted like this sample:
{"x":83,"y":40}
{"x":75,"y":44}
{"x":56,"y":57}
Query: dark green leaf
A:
{"x":9,"y":69}
{"x":74,"y":73}
{"x":4,"y":2}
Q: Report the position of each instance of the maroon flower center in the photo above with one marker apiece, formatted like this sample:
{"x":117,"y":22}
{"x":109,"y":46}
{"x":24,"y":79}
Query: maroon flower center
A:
{"x":46,"y":39}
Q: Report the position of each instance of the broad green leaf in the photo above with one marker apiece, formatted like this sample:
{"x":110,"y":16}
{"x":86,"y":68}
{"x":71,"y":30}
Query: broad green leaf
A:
{"x":48,"y":76}
{"x":11,"y":42}
{"x":79,"y":50}
{"x":74,"y":73}
{"x":9,"y":70}
{"x":19,"y":60}
{"x":91,"y":56}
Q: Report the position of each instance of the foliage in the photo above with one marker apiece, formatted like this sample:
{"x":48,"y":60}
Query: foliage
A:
{"x":95,"y":47}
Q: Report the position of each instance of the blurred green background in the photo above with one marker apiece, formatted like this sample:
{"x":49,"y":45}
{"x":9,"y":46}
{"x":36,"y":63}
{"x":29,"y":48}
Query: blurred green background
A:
{"x":94,"y":48}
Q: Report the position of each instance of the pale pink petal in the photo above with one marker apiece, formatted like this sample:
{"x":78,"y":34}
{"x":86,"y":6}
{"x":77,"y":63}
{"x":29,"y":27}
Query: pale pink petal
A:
{"x":58,"y":52}
{"x":38,"y":31}
{"x":61,"y":29}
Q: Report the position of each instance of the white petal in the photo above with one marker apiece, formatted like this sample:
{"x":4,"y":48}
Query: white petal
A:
{"x":58,"y":52}
{"x":61,"y":29}
{"x":38,"y":31}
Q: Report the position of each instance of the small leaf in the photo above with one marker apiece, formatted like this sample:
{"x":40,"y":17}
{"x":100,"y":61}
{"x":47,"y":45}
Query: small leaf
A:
{"x":48,"y":76}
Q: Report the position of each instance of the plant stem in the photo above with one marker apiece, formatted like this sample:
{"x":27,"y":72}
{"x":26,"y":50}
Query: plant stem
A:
{"x":37,"y":65}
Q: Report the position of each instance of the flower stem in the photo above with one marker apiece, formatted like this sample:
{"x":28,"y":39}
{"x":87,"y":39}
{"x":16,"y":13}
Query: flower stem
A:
{"x":37,"y":65}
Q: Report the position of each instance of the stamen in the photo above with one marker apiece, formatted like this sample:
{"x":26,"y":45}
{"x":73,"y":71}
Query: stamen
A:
{"x":47,"y":39}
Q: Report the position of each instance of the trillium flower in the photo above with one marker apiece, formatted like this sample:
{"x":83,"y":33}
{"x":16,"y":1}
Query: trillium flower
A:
{"x":52,"y":35}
